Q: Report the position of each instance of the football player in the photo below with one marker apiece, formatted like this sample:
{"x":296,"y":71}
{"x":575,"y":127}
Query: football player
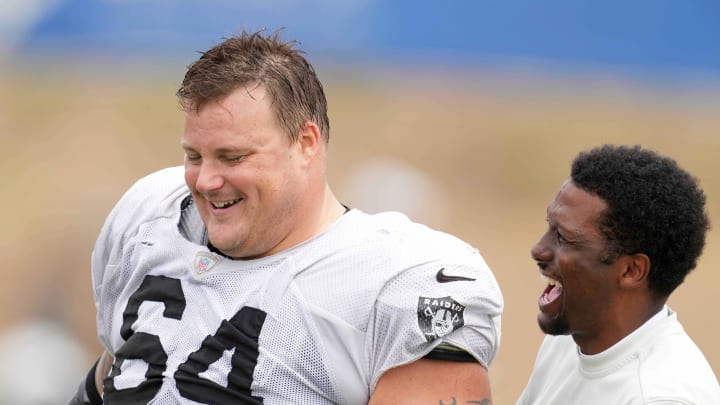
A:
{"x":240,"y":277}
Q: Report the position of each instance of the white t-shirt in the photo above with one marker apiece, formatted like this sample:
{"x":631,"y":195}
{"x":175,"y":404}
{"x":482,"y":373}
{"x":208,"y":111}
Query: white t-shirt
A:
{"x":316,"y":324}
{"x":656,"y":364}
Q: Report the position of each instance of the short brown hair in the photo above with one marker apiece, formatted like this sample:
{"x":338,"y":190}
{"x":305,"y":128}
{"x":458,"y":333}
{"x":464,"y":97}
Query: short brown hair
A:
{"x":297,"y":94}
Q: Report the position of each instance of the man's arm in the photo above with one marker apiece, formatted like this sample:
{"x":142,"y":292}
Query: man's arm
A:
{"x":102,"y":370}
{"x":434,"y":382}
{"x":91,"y":388}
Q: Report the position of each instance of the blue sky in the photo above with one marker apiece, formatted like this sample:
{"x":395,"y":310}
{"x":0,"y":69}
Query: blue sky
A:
{"x":638,"y":35}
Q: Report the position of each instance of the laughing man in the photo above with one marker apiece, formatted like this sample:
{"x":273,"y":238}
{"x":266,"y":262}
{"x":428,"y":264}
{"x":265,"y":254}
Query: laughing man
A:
{"x":623,"y":231}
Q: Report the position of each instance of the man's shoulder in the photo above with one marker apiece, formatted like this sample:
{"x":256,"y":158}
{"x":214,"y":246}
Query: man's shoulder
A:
{"x":159,"y":184}
{"x":402,"y":249}
{"x":154,"y":189}
{"x":154,"y":196}
{"x":398,"y":229}
{"x":673,"y":364}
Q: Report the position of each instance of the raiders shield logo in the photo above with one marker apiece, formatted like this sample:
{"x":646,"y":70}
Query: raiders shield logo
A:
{"x":439,"y":316}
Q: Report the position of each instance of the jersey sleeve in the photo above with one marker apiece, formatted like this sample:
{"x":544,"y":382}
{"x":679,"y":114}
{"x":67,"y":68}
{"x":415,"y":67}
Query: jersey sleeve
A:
{"x":111,"y":256}
{"x":453,"y":300}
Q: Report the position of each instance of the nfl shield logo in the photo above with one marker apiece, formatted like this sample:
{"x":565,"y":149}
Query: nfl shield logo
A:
{"x":204,"y":262}
{"x":439,"y":316}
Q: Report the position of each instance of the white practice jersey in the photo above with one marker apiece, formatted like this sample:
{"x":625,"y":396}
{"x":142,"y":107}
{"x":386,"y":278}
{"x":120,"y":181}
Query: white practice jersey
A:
{"x":316,"y":324}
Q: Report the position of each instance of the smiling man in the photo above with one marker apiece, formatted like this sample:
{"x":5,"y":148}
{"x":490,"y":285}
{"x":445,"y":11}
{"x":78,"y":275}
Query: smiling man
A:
{"x":240,"y":278}
{"x":623,"y":232}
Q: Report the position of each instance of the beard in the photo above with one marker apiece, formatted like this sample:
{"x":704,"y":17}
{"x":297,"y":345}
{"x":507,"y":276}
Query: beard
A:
{"x":555,"y":326}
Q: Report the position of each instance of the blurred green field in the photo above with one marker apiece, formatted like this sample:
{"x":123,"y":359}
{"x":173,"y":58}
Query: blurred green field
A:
{"x":496,"y":146}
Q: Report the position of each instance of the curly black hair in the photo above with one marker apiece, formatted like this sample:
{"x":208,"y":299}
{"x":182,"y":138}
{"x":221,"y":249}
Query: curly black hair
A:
{"x":653,"y":207}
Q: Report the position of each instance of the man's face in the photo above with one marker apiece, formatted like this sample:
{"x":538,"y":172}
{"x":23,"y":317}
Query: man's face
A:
{"x":579,"y":295}
{"x":243,"y":172}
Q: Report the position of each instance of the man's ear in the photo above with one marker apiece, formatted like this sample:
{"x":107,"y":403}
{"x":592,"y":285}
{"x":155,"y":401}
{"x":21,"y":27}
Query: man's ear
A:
{"x":635,"y":271}
{"x":309,"y":139}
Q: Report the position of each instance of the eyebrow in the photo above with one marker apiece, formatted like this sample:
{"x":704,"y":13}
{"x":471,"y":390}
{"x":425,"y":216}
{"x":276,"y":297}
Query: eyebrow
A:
{"x":219,"y":151}
{"x":574,"y":233}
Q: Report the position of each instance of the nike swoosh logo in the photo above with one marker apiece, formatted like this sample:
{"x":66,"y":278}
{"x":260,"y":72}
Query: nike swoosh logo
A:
{"x":441,"y":277}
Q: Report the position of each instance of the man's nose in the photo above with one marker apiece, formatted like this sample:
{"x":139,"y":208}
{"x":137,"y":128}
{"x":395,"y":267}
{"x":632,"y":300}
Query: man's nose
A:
{"x":541,"y":251}
{"x":209,"y":178}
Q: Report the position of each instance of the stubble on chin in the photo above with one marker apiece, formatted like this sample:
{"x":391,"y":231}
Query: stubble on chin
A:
{"x":554,"y":327}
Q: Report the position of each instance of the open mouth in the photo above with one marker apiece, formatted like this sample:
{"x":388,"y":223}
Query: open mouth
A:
{"x":225,"y":204}
{"x":550,"y":300}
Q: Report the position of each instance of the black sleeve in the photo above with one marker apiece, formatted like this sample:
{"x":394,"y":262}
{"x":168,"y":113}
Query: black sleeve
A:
{"x":441,"y":353}
{"x":87,"y":393}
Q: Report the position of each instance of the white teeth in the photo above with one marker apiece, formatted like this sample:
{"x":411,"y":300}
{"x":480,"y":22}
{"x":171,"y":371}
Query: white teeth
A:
{"x":550,"y":281}
{"x":223,"y":204}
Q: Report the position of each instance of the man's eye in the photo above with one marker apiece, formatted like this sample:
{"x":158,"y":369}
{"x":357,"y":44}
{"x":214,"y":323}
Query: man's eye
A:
{"x":561,"y":238}
{"x":234,"y":159}
{"x":192,"y":158}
